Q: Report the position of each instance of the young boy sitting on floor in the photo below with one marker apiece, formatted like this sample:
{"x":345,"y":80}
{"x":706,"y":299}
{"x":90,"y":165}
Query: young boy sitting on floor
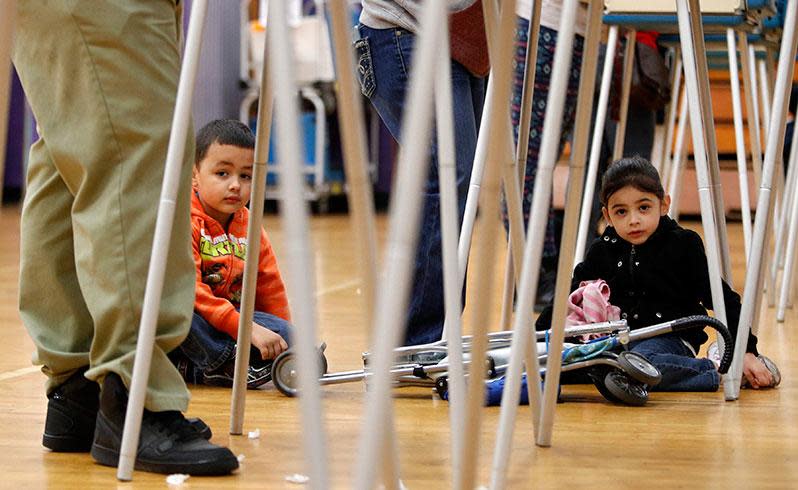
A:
{"x":222,"y":181}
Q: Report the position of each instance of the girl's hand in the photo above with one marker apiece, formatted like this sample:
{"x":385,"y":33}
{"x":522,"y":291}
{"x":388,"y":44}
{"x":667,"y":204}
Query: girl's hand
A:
{"x":267,"y":342}
{"x":755,"y":372}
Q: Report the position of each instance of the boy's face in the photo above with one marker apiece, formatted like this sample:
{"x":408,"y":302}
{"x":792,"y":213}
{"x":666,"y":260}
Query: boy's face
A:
{"x":224,"y":180}
{"x":634,"y":213}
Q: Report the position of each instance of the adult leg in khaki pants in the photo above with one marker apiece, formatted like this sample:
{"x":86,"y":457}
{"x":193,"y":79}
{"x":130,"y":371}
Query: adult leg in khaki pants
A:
{"x":101,"y":78}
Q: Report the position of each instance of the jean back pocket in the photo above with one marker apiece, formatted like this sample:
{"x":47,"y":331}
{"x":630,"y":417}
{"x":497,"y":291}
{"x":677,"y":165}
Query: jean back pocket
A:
{"x":365,"y":68}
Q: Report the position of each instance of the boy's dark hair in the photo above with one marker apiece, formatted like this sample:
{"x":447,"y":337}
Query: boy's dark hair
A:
{"x":224,"y":132}
{"x":635,"y":171}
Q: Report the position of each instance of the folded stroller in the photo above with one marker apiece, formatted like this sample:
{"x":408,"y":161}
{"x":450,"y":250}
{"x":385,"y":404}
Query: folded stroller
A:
{"x":620,"y":376}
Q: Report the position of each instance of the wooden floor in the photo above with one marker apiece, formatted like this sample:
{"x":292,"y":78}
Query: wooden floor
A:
{"x":687,"y":440}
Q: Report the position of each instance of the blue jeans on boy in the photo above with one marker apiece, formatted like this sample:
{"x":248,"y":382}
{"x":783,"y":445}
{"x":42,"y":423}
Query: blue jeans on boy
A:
{"x":207,"y":348}
{"x":681,"y":370}
{"x":384,"y":63}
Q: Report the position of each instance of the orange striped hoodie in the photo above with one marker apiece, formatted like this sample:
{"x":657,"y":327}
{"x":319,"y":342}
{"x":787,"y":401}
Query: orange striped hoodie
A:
{"x":219,"y":258}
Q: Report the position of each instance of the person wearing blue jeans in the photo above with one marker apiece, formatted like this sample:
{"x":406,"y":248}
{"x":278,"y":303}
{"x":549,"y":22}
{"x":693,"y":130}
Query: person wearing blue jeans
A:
{"x":385,"y":51}
{"x":207,"y":355}
{"x":680,"y":369}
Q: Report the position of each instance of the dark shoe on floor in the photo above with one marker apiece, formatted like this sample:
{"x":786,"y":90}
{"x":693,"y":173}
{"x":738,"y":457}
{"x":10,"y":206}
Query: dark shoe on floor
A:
{"x":201,"y":427}
{"x":71,"y":414}
{"x":168,"y":442}
{"x":258,"y":374}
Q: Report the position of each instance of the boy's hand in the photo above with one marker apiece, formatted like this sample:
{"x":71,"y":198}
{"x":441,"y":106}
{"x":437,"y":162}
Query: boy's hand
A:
{"x":267,"y":342}
{"x":755,"y":371}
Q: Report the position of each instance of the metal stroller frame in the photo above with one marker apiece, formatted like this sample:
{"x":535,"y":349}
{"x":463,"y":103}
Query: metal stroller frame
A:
{"x":427,"y":365}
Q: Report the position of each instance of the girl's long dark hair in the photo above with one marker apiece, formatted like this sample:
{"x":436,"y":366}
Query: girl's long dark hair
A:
{"x":635,"y":171}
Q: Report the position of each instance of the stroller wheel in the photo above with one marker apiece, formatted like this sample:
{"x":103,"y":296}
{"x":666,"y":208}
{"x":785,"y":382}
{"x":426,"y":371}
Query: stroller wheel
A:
{"x":625,"y":390}
{"x":639,"y":368}
{"x":598,"y":375}
{"x":285,"y":373}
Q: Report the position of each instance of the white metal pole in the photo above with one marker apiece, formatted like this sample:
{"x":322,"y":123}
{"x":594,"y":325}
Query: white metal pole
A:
{"x":775,"y":142}
{"x":752,"y":106}
{"x":522,"y":149}
{"x":447,"y":176}
{"x":673,"y":109}
{"x":742,"y":164}
{"x":299,"y":254}
{"x":781,"y":231}
{"x":162,"y":236}
{"x":259,"y":171}
{"x":361,"y":202}
{"x":658,"y":147}
{"x":710,"y":143}
{"x":679,"y":157}
{"x":688,"y":27}
{"x":789,"y":196}
{"x":522,"y":325}
{"x":764,"y":88}
{"x":350,"y":117}
{"x":565,"y":266}
{"x":527,"y":94}
{"x":595,"y":147}
{"x":626,"y":87}
{"x":789,"y":263}
{"x":510,"y":179}
{"x":499,"y":130}
{"x":243,"y":41}
{"x":474,"y":186}
{"x":392,"y":296}
{"x":9,"y":14}
{"x":765,"y":81}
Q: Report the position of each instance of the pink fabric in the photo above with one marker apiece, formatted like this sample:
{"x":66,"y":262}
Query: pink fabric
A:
{"x":590,"y":303}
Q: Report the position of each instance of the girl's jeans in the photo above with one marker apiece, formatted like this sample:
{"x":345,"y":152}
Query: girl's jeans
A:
{"x":680,"y":369}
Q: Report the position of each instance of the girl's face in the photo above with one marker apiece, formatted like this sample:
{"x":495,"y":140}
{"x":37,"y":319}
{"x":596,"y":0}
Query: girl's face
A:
{"x":634,"y":213}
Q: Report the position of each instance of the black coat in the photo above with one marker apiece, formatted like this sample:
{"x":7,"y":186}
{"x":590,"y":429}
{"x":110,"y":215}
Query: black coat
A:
{"x":663,"y":279}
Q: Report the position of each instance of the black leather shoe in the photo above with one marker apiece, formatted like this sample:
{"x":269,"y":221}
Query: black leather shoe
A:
{"x":71,"y":413}
{"x":258,"y":374}
{"x":168,"y":442}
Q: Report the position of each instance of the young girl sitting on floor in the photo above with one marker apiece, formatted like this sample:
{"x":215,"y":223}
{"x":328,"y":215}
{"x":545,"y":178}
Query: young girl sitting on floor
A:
{"x":657,"y":271}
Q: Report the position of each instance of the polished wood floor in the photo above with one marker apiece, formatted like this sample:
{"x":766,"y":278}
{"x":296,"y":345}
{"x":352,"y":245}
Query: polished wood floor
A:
{"x":686,"y":440}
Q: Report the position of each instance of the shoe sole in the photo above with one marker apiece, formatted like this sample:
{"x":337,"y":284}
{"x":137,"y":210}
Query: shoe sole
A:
{"x":65,"y":444}
{"x":225,"y":382}
{"x":110,"y":457}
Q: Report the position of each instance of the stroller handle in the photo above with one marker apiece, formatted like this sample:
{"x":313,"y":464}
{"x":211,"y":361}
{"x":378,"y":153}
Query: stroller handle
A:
{"x":703,"y":320}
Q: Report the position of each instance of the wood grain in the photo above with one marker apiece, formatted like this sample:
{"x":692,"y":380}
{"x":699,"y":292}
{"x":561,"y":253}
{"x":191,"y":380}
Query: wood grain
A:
{"x":684,"y":440}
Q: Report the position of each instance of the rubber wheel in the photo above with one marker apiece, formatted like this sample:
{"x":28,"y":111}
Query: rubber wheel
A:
{"x":442,"y":385}
{"x":598,"y":375}
{"x":624,"y":389}
{"x":285,"y":375}
{"x":639,"y":368}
